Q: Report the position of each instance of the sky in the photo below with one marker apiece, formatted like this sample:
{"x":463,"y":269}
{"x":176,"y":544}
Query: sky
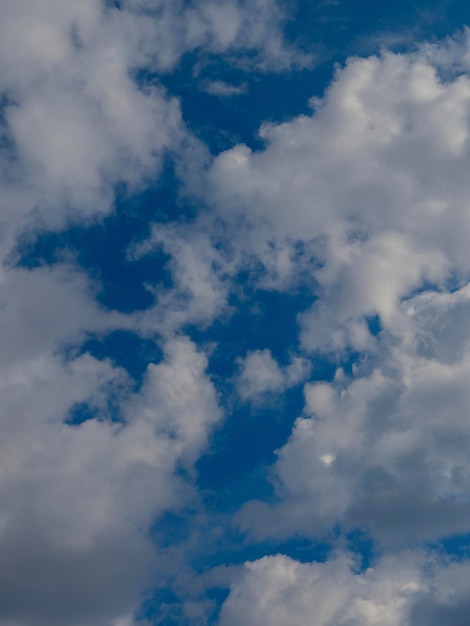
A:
{"x":234,"y":313}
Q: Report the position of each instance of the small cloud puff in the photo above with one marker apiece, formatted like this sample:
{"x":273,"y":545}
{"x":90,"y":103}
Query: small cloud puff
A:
{"x":260,"y":374}
{"x":223,"y":89}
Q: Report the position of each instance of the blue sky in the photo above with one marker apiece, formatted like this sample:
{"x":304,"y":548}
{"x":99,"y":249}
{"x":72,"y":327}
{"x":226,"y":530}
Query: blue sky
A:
{"x":234,"y":313}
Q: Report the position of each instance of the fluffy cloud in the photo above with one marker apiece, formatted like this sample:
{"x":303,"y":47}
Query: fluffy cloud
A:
{"x":374,"y":183}
{"x":76,"y":122}
{"x":77,"y":498}
{"x":385,"y":449}
{"x":200,"y":276}
{"x":364,"y":201}
{"x":261,"y":374}
{"x":401,"y":590}
{"x":373,"y":187}
{"x":43,"y":310}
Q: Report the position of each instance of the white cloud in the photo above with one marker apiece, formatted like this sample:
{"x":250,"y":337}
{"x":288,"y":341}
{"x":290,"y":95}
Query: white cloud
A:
{"x":76,"y":119}
{"x":373,"y":186}
{"x":235,"y":28}
{"x":400,"y":590}
{"x":223,"y":89}
{"x":373,"y":182}
{"x":179,"y":396}
{"x":44,"y":309}
{"x":76,"y":500}
{"x":199,"y":272}
{"x":386,"y":448}
{"x":366,"y":199}
{"x":261,"y":374}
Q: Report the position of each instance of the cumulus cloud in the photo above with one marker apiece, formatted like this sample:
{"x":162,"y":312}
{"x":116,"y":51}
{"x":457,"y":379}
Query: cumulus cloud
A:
{"x":77,"y":498}
{"x":400,"y":590}
{"x":386,"y":448}
{"x":88,"y":463}
{"x":373,"y":181}
{"x":200,"y":276}
{"x":76,"y":121}
{"x":373,"y":186}
{"x":364,"y":201}
{"x":261,"y":374}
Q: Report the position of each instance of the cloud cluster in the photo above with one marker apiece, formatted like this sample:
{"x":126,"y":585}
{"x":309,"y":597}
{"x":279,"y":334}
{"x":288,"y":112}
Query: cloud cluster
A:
{"x":77,"y":497}
{"x":76,"y":121}
{"x":374,"y":186}
{"x":374,"y":181}
{"x":405,"y":589}
{"x":88,"y":462}
{"x":363,"y":203}
{"x":385,"y":449}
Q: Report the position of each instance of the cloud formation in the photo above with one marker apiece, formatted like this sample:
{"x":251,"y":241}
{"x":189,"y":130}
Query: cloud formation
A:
{"x":261,"y":374}
{"x":402,"y":590}
{"x":88,"y":461}
{"x":362,"y":204}
{"x":375,"y":181}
